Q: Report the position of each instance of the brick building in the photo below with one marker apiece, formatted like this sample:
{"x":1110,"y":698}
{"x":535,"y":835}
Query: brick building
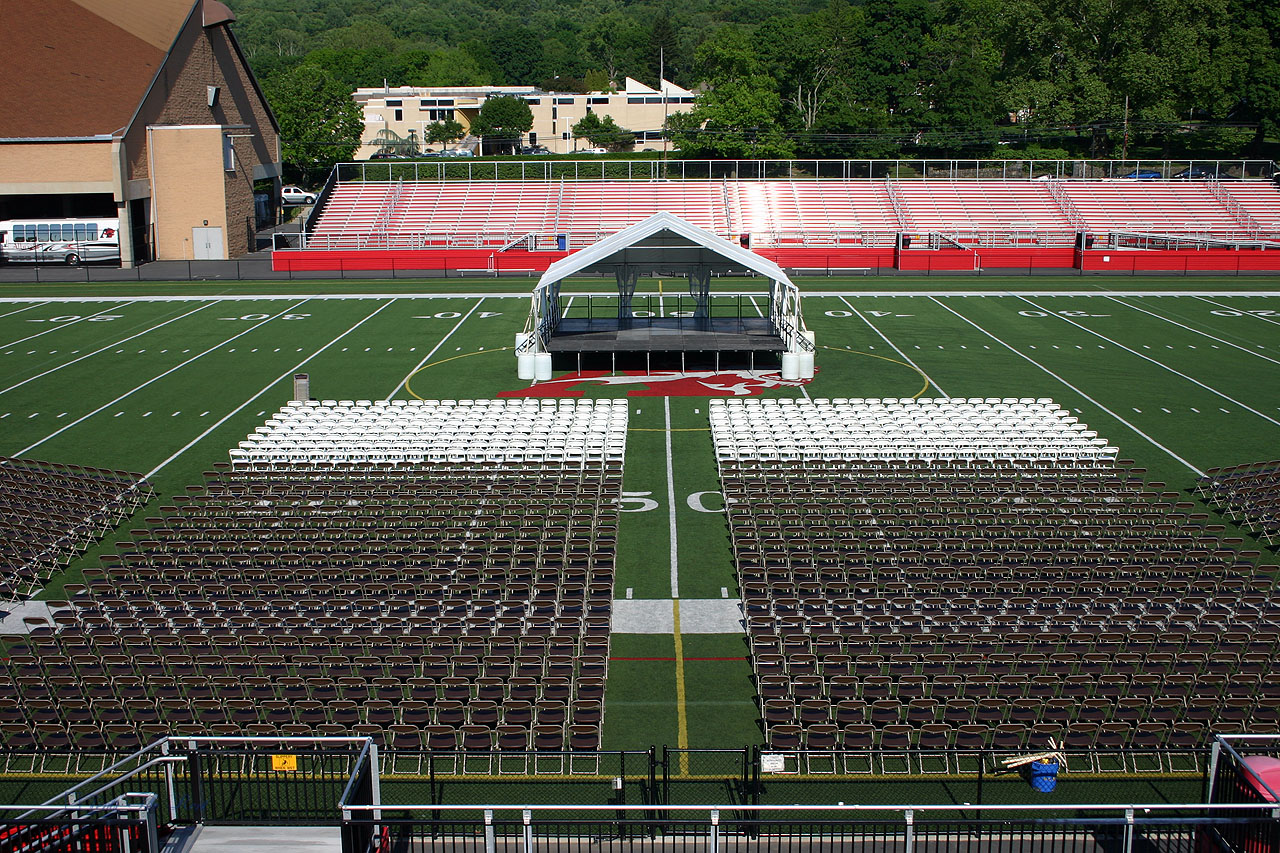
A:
{"x":141,"y":109}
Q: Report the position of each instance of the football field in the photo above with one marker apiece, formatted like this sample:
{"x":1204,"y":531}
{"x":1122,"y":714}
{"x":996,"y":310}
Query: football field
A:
{"x":1180,"y":375}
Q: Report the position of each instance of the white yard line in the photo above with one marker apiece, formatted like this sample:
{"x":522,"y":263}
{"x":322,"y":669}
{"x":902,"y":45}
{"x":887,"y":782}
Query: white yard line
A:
{"x":434,"y":350}
{"x":1245,"y":313}
{"x":671,"y":504}
{"x":1159,"y":364}
{"x":55,"y":327}
{"x":176,"y":367}
{"x":105,"y":348}
{"x":20,"y":310}
{"x":265,"y":389}
{"x":882,"y":335}
{"x":1030,"y":360}
{"x":1196,"y":331}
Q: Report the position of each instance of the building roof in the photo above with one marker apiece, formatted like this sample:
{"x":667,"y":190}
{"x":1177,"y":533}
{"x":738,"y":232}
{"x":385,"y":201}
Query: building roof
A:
{"x":663,"y":243}
{"x":635,"y":87}
{"x":79,"y":68}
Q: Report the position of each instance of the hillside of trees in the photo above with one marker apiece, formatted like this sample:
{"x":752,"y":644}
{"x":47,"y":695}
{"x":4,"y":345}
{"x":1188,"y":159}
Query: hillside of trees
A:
{"x":858,"y":79}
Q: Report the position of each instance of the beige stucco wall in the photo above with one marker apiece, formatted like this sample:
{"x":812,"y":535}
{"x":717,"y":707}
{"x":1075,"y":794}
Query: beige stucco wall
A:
{"x":64,"y":167}
{"x":188,"y":186}
{"x":554,"y":115}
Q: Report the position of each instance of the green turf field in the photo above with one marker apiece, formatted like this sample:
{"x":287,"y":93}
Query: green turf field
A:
{"x":1179,"y":374}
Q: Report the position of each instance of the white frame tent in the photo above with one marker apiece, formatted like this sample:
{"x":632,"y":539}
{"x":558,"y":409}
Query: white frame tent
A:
{"x":664,"y":244}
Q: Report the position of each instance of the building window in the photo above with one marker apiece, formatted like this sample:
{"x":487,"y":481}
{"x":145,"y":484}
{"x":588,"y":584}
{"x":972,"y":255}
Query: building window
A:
{"x":427,"y":103}
{"x":399,"y":115}
{"x":597,"y":100}
{"x":564,"y":135}
{"x":228,"y":154}
{"x":439,"y":115}
{"x":564,"y":101}
{"x":395,"y":102}
{"x":533,"y":102}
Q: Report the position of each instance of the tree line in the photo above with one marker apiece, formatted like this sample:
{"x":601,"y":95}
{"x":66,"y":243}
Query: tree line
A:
{"x":876,"y":78}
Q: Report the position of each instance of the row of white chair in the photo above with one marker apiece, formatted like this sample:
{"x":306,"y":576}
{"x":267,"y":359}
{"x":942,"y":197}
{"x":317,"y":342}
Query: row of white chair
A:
{"x":307,"y":432}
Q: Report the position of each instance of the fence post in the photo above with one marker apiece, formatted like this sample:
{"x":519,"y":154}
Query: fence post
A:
{"x":375,"y":780}
{"x":490,"y":844}
{"x":755,"y":775}
{"x":715,"y":832}
{"x":169,"y":783}
{"x":153,"y":832}
{"x":1128,"y":831}
{"x":527,"y":816}
{"x":982,"y":763}
{"x":197,"y":785}
{"x":1211,"y":772}
{"x":910,"y":816}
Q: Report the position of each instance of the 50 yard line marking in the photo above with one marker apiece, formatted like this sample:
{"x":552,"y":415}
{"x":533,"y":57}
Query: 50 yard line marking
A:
{"x":1030,"y":360}
{"x":1159,"y":364}
{"x":671,"y":502}
{"x":105,"y":348}
{"x":283,"y":376}
{"x":927,"y":377}
{"x":117,"y":307}
{"x":176,"y":367}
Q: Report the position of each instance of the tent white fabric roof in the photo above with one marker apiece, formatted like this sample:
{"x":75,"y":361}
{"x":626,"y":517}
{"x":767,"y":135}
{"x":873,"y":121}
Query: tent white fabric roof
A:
{"x":663,"y":243}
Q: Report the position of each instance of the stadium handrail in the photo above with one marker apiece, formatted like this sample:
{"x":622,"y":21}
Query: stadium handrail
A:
{"x":546,"y":170}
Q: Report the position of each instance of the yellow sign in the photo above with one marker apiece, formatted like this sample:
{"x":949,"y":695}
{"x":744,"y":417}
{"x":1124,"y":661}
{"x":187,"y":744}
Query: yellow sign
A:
{"x":284,"y":763}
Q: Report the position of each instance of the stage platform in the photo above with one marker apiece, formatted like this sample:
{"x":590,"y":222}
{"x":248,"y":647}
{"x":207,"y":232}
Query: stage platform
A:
{"x":665,"y":334}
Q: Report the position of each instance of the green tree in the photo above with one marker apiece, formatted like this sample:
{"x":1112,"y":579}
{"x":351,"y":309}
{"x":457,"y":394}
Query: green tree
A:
{"x":501,"y":122}
{"x":444,"y":132}
{"x":320,"y":123}
{"x":603,"y":132}
{"x":740,"y":114}
{"x":597,"y":81}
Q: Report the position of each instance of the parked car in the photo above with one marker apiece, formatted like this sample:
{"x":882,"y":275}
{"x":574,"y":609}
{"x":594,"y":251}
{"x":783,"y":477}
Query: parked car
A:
{"x":596,"y":150}
{"x":457,"y":152}
{"x":296,"y":195}
{"x":534,"y":150}
{"x":1143,"y":175}
{"x":1204,"y":173}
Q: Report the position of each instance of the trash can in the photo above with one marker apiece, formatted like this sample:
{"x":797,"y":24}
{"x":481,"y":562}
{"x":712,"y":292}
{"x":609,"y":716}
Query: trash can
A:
{"x":562,"y":242}
{"x":1044,"y":776}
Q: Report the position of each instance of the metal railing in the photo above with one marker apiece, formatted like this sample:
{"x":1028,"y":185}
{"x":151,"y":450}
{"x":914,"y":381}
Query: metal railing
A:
{"x":789,"y":170}
{"x":1122,"y":828}
{"x":125,"y":824}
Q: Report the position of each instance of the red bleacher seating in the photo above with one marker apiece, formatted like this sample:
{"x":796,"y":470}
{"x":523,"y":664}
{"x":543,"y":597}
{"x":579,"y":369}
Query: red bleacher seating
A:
{"x":1153,"y":207}
{"x":492,"y":214}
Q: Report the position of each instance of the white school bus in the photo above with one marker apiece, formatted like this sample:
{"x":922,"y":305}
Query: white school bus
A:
{"x":60,"y":241}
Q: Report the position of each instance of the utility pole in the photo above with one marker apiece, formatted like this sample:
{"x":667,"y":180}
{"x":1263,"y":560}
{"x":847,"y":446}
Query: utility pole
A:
{"x":1124,"y":148}
{"x":662,"y":75}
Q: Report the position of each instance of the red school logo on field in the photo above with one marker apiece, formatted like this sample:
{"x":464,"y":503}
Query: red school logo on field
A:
{"x":708,"y":383}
